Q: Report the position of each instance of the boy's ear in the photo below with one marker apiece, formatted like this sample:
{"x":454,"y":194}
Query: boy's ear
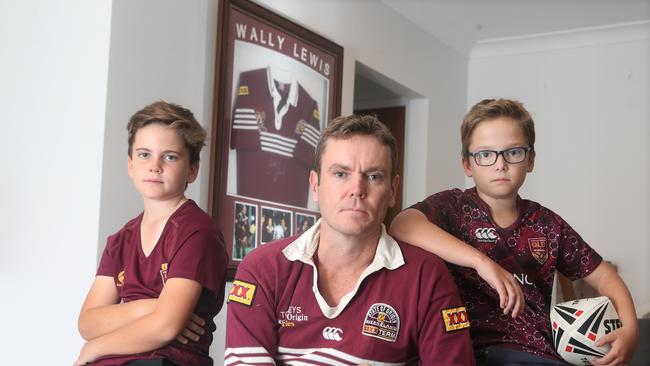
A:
{"x":193,"y":172}
{"x":466,"y":167}
{"x":129,"y":166}
{"x":531,"y":161}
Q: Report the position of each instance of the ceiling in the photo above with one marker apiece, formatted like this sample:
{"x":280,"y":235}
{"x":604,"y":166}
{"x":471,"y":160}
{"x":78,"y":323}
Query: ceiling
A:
{"x":462,"y":23}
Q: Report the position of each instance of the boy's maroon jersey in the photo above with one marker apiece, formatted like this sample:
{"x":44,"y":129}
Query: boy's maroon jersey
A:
{"x":275,"y":130}
{"x":537,"y":244}
{"x":189,"y":247}
{"x":404,"y":306}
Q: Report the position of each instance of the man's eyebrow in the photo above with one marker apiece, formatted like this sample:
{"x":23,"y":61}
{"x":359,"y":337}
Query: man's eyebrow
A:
{"x":375,"y":169}
{"x":337,"y":166}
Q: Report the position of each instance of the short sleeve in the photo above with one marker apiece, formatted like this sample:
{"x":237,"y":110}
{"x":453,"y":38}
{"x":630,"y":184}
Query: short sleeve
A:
{"x":576,"y":259}
{"x":251,"y":327}
{"x":107,"y":262}
{"x":435,"y":208}
{"x":201,"y":257}
{"x":444,"y":325}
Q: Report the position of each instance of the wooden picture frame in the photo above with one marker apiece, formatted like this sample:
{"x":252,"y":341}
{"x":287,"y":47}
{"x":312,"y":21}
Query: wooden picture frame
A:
{"x":277,"y":85}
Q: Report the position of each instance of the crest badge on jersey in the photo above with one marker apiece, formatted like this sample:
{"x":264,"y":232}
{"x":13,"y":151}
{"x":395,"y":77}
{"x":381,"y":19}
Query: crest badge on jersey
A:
{"x":455,"y":318}
{"x":538,"y":249}
{"x":163,"y":272}
{"x":300,"y":127}
{"x":382,"y":321}
{"x":243,"y":90}
{"x":120,"y":279}
{"x":316,"y":114}
{"x":242,"y":292}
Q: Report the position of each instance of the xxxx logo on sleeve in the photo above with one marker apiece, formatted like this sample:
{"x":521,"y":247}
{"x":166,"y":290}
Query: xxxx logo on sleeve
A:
{"x":455,"y":318}
{"x":242,"y":292}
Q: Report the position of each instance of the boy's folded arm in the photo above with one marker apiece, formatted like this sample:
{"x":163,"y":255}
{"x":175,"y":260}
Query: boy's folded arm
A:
{"x":102,"y":313}
{"x":151,"y":331}
{"x":413,"y":227}
{"x":607,"y":282}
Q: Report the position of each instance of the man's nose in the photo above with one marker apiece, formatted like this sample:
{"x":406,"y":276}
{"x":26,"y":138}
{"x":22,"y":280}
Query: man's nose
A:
{"x":358,"y":188}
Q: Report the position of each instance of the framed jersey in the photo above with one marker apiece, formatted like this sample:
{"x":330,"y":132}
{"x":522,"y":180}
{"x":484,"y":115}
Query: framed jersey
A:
{"x":277,"y":86}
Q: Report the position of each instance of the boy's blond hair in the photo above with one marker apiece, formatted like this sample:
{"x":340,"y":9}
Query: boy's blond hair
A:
{"x":175,"y":117}
{"x":489,"y":109}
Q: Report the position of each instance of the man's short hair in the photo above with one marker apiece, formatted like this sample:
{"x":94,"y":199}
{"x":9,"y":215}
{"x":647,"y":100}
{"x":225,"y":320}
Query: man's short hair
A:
{"x":489,"y":109}
{"x":175,"y":117}
{"x":347,"y":126}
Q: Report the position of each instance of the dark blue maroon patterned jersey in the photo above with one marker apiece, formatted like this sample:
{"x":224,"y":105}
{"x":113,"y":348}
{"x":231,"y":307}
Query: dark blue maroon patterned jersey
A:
{"x":537,"y":244}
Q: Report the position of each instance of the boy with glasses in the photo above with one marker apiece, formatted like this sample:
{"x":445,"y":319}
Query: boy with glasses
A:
{"x":498,"y":239}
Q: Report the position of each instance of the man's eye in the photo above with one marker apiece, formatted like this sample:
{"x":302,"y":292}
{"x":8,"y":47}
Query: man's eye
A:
{"x":374,"y":176}
{"x":339,"y":174}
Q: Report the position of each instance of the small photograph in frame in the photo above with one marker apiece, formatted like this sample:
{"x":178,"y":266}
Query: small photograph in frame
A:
{"x":244,"y":230}
{"x":304,"y":222}
{"x":275,"y":224}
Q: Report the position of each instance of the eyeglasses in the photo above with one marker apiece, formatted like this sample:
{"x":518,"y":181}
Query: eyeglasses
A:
{"x":489,"y":157}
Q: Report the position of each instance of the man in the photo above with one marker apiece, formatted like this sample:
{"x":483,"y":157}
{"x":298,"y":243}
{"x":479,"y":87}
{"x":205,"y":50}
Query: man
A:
{"x":345,"y":292}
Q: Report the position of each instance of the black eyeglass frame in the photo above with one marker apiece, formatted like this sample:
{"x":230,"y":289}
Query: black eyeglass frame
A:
{"x":527,"y":149}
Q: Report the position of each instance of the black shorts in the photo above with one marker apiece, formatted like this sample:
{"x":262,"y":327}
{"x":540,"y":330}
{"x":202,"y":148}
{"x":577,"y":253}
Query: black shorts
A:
{"x":154,"y":362}
{"x":501,"y":356}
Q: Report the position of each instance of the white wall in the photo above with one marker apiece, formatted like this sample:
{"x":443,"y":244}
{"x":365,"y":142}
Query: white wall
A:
{"x":588,"y":92}
{"x":53,"y":77}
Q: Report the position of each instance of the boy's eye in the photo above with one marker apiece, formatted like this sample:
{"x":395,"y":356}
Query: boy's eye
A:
{"x":515,"y":152}
{"x":171,"y":157}
{"x":484,"y":154}
{"x":144,"y":155}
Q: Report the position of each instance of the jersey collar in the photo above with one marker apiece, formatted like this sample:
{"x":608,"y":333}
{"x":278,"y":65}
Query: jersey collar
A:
{"x":387,"y":255}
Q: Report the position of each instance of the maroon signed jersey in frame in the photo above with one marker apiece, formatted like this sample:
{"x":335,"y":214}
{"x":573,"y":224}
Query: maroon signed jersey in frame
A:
{"x":537,"y":244}
{"x":275,"y":130}
{"x":405,"y":306}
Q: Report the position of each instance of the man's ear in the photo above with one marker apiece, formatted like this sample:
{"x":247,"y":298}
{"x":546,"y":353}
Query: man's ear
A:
{"x":464,"y":161}
{"x":313,"y":185}
{"x":393,"y":190}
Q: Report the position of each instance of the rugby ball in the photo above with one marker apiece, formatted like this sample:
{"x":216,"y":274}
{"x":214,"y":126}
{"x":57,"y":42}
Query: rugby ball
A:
{"x":577,"y":325}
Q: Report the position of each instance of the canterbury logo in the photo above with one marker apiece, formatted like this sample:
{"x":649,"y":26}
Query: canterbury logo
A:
{"x":332,"y":334}
{"x":485,"y":233}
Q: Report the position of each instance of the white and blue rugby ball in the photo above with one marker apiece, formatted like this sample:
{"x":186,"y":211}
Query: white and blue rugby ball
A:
{"x":577,"y":325}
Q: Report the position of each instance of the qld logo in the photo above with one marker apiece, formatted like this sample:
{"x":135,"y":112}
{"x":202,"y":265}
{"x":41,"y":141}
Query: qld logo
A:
{"x":486,"y":234}
{"x":538,"y":249}
{"x":382,"y":321}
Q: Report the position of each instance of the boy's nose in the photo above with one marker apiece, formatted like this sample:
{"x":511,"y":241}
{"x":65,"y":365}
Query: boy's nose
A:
{"x":154,"y":166}
{"x":501,"y":163}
